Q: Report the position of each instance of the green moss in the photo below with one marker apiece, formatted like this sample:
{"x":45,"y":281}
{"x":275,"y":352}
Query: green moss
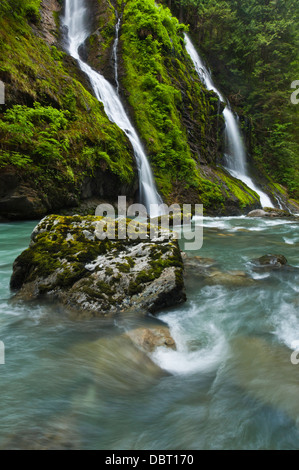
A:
{"x":130,"y":261}
{"x":55,"y":250}
{"x":109,"y":271}
{"x":40,"y":80}
{"x":56,"y":263}
{"x":158,"y":265}
{"x":123,"y":267}
{"x":179,"y":278}
{"x":99,"y":291}
{"x":275,"y":188}
{"x":145,"y":276}
{"x":294,"y":201}
{"x":134,"y":288}
{"x":70,"y":275}
{"x":162,"y":84}
{"x":246,"y":196}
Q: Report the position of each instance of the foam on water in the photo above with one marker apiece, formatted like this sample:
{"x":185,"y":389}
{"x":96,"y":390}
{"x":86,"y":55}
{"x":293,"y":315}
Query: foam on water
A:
{"x":229,"y":373}
{"x":287,"y":325}
{"x":290,"y":241}
{"x":258,"y":276}
{"x":186,"y":362}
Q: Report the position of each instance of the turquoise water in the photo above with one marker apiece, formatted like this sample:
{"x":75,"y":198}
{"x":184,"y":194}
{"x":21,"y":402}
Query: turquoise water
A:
{"x":230,"y":384}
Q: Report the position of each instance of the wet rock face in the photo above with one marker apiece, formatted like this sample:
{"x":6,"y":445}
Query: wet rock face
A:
{"x":20,"y":201}
{"x":68,"y":261}
{"x":277,"y":260}
{"x":269,"y":212}
{"x":257,"y":213}
{"x":48,"y":25}
{"x":97,"y":49}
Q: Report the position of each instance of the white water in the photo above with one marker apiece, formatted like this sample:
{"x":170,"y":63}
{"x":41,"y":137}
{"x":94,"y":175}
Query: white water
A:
{"x":76,"y":15}
{"x":82,"y":384}
{"x":115,"y":47}
{"x":235,"y":154}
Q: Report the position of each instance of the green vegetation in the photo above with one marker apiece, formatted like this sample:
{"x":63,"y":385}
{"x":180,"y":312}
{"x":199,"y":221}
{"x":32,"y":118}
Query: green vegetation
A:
{"x":62,"y":247}
{"x":178,"y":119}
{"x":37,"y":131}
{"x":252,"y":48}
{"x":53,"y":132}
{"x":101,"y":40}
{"x":163,"y":88}
{"x":245,"y":195}
{"x":55,"y":136}
{"x":52,"y":248}
{"x":20,"y":9}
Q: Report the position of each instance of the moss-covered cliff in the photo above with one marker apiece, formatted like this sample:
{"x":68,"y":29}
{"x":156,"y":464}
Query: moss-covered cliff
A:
{"x":180,"y":121}
{"x":57,"y":145}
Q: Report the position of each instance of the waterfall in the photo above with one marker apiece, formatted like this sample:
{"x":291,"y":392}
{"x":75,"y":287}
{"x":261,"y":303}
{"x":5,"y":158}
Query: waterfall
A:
{"x":76,"y":21}
{"x":115,"y":47}
{"x":235,"y":155}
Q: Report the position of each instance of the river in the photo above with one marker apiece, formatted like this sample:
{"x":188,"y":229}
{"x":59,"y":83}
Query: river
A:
{"x":70,"y":384}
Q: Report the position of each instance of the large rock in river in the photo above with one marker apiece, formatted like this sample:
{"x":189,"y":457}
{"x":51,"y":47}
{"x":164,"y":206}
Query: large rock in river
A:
{"x":68,"y":261}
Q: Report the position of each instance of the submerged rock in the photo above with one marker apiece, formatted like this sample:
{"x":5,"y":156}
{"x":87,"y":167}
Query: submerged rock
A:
{"x":270,"y":261}
{"x":229,"y":279}
{"x":265,"y":370}
{"x":68,"y":261}
{"x":117,"y":365}
{"x":197,"y":267}
{"x":148,"y":339}
{"x":271,"y":212}
{"x":60,"y":432}
{"x":207,"y":271}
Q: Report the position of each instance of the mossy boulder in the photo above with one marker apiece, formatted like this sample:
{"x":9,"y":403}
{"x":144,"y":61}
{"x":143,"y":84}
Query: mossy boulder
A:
{"x":68,"y":261}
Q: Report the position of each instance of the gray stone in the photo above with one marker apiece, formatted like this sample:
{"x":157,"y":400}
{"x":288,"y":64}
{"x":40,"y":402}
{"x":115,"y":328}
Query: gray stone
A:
{"x":66,"y":262}
{"x":148,"y":339}
{"x":257,"y":213}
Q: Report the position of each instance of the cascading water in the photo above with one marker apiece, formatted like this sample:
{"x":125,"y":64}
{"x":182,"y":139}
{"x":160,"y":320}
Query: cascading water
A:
{"x":235,"y":154}
{"x":75,"y":20}
{"x":115,"y":47}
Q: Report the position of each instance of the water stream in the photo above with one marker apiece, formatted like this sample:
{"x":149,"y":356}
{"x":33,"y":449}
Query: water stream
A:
{"x":229,"y":385}
{"x":115,"y":49}
{"x":235,"y":157}
{"x":76,"y":21}
{"x":81,"y":384}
